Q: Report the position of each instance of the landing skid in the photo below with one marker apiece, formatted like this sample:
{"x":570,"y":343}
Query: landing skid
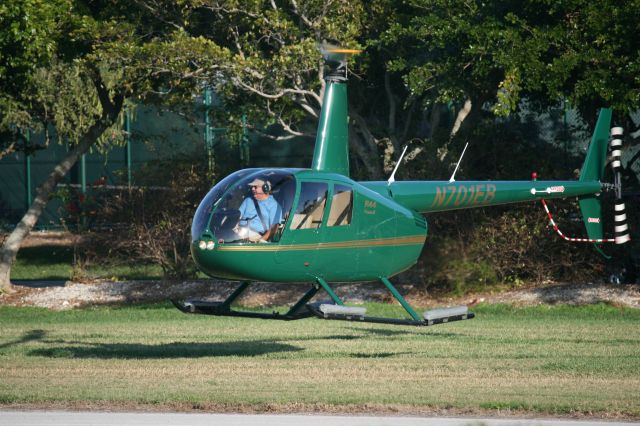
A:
{"x":219,"y":309}
{"x":297,"y":311}
{"x":334,"y":311}
{"x":383,"y":320}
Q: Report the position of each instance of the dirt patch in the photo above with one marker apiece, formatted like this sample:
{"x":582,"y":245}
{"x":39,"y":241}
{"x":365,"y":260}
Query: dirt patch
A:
{"x":67,"y":295}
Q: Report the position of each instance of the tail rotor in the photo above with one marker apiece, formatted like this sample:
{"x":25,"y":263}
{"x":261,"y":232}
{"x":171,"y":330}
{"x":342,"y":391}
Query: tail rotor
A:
{"x":621,"y":228}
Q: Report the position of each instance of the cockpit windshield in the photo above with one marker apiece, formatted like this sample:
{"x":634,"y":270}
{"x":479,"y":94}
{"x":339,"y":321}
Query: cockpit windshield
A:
{"x":254,"y":208}
{"x":203,"y":212}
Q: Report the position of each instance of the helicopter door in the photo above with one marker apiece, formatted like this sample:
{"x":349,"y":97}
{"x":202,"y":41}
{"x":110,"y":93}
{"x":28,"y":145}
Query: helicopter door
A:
{"x":299,"y":240}
{"x":338,"y":235}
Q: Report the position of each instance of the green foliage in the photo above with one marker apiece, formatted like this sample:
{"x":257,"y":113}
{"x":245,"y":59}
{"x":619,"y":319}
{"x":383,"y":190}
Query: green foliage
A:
{"x":68,"y":100}
{"x":28,"y":41}
{"x":482,"y":250}
{"x":503,"y":52}
{"x":30,"y":31}
{"x":271,"y":64}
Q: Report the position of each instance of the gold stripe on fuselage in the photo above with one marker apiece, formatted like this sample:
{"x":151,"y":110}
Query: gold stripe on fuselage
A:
{"x":397,"y":241}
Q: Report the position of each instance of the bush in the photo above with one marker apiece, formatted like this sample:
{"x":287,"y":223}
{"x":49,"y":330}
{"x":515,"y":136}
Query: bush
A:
{"x":152,"y":223}
{"x":479,"y":249}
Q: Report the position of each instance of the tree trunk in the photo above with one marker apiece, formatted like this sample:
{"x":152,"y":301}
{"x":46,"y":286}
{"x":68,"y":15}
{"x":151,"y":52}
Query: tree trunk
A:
{"x":366,"y":148}
{"x":462,"y":115}
{"x":14,"y":240}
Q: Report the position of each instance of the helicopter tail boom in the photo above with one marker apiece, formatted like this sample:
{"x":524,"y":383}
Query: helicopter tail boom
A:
{"x":429,"y":196}
{"x":436,"y":196}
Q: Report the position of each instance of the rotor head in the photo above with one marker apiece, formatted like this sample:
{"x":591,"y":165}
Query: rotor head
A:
{"x":336,"y":59}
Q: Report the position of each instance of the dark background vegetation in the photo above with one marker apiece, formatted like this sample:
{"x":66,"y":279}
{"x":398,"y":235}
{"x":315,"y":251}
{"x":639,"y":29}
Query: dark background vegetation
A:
{"x":432,"y":74}
{"x":467,"y":250}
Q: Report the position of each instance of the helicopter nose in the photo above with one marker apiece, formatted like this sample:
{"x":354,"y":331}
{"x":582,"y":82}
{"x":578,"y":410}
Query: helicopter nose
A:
{"x":210,"y":261}
{"x":199,"y":251}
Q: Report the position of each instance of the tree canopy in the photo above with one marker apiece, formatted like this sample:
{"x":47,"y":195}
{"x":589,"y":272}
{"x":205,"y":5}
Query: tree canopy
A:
{"x":501,"y":52}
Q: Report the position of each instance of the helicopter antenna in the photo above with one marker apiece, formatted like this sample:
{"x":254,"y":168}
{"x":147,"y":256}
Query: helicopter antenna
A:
{"x":395,"y":169}
{"x":453,"y":176}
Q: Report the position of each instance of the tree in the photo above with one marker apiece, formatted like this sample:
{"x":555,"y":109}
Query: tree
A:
{"x":28,"y":39}
{"x":103,"y":57}
{"x":420,"y":57}
{"x":497,"y":53}
{"x":274,"y":73}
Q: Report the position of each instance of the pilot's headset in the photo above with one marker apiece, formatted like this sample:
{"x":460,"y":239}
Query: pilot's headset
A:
{"x":266,"y":187}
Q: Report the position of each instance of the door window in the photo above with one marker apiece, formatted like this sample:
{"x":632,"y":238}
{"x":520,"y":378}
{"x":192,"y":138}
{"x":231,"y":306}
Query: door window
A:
{"x":310,"y":209}
{"x":341,"y":206}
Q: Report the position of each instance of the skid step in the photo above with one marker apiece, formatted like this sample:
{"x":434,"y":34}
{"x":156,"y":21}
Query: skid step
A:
{"x":329,"y":309}
{"x":443,"y":315}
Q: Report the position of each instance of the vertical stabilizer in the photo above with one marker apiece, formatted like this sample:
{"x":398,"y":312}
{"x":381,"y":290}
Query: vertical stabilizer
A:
{"x":593,"y":167}
{"x":593,"y":170}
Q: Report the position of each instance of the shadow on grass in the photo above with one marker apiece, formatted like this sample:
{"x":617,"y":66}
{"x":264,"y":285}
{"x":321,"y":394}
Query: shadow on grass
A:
{"x":28,"y":337}
{"x":386,"y":332}
{"x":168,"y":350}
{"x":409,"y":331}
{"x":45,"y":255}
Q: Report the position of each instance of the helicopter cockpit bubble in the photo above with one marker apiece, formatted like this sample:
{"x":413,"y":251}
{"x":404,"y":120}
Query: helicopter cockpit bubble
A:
{"x":203,"y":212}
{"x":226,"y":223}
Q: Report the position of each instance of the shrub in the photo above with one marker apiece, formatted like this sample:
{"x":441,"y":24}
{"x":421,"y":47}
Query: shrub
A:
{"x":151,"y":223}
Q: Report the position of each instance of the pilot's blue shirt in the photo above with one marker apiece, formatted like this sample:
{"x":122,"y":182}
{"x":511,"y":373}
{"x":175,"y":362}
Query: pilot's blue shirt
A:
{"x":271,"y":213}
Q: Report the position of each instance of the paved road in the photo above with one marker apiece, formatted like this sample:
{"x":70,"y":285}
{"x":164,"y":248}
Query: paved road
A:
{"x":72,"y":418}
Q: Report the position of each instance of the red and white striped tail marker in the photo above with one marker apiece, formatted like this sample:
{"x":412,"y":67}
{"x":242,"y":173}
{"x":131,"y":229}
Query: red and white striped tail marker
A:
{"x":572,"y":239}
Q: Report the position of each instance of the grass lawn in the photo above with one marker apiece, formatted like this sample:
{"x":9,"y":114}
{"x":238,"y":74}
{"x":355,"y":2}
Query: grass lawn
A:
{"x":559,"y":360}
{"x":56,"y":263}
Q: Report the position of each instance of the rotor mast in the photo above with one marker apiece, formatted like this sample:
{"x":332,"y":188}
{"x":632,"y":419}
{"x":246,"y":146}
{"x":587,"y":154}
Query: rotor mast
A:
{"x":331,"y":152}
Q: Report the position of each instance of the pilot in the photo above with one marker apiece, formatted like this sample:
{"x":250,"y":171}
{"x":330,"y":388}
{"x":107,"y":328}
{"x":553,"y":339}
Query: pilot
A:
{"x":260,"y":214}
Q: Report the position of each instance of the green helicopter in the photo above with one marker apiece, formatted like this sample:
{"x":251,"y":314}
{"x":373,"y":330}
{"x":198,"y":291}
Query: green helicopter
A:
{"x":318,"y":226}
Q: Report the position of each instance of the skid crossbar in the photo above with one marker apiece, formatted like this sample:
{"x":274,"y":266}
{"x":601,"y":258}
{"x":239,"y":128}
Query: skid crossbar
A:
{"x":236,"y":293}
